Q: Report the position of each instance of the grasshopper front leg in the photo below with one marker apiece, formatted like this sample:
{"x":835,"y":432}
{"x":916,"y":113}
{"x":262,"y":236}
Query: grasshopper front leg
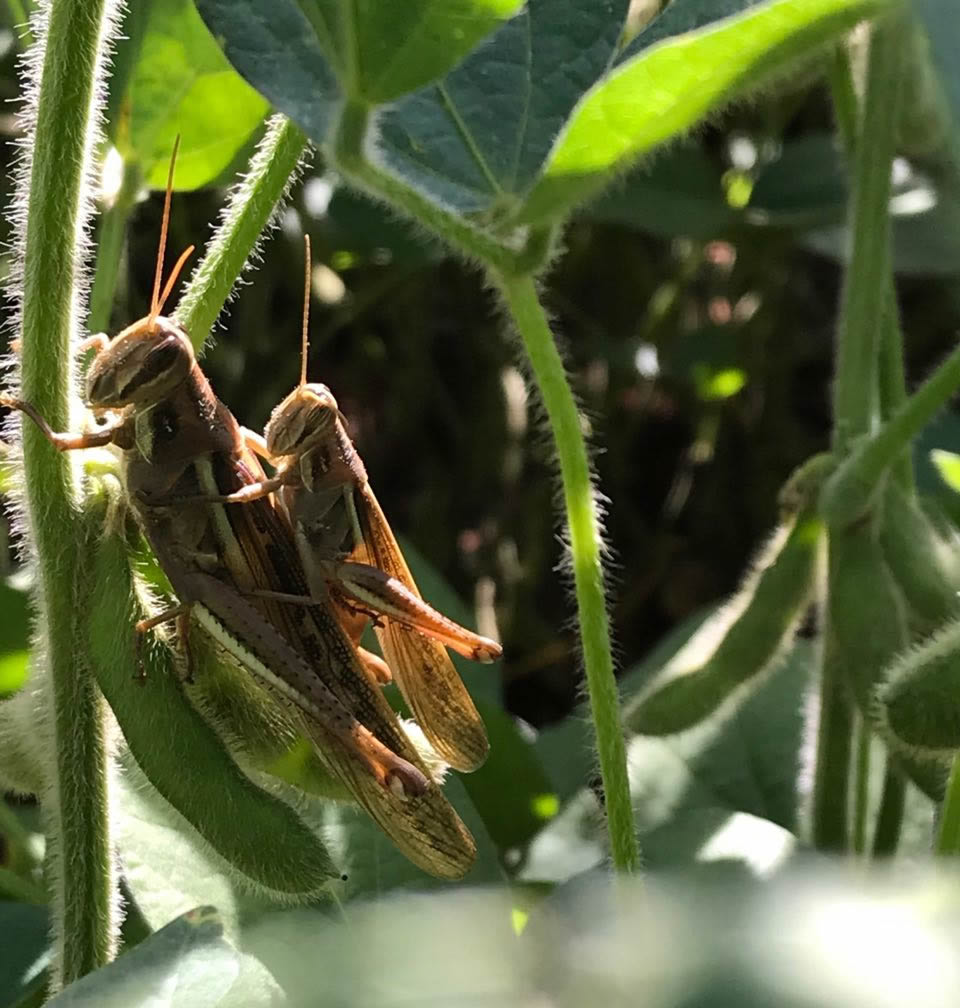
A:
{"x":62,"y":441}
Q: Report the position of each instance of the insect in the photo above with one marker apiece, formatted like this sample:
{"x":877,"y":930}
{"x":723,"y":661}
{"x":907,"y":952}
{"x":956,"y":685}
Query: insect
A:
{"x":178,"y":443}
{"x":353,"y":561}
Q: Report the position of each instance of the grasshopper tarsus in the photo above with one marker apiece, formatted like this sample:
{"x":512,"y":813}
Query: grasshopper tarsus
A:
{"x":379,"y":670}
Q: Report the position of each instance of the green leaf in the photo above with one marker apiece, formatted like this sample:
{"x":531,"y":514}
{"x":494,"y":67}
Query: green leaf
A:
{"x":25,"y":929}
{"x":480,"y":136}
{"x":188,"y":961}
{"x":14,"y":639}
{"x":948,"y":466}
{"x":387,"y":50}
{"x":273,"y":47}
{"x":182,"y":83}
{"x":667,"y":82}
{"x":166,"y":865}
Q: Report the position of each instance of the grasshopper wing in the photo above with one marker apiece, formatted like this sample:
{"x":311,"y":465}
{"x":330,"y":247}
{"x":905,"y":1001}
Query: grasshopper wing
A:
{"x":423,"y":824}
{"x":421,"y":666}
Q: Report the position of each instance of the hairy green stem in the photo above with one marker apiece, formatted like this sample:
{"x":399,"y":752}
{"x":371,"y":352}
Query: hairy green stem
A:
{"x":948,"y":837}
{"x":113,"y":232}
{"x":848,"y":491}
{"x":892,"y":383}
{"x":844,"y":95}
{"x":249,"y":210}
{"x":886,"y":835}
{"x":856,"y":392}
{"x":861,"y":783}
{"x":75,"y":808}
{"x":861,"y":313}
{"x":520,"y":297}
{"x":470,"y":241}
{"x":831,"y":788}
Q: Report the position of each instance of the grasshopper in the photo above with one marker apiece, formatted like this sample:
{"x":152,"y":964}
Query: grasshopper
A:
{"x":178,"y":442}
{"x":353,"y":561}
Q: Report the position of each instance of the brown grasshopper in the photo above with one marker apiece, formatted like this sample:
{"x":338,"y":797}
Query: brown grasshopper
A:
{"x":353,"y":561}
{"x":178,"y":443}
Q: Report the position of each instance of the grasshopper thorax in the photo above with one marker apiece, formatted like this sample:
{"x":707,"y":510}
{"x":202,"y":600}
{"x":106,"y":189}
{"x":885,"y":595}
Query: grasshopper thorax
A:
{"x":141,"y":366}
{"x":306,"y":417}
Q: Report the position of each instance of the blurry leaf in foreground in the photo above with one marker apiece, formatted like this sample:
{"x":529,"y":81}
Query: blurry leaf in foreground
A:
{"x":166,"y":864}
{"x":188,"y":960}
{"x":823,"y":936}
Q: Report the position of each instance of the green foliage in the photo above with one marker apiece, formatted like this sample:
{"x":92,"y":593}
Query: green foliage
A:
{"x":477,"y":126}
{"x":679,"y":78}
{"x":182,"y":84}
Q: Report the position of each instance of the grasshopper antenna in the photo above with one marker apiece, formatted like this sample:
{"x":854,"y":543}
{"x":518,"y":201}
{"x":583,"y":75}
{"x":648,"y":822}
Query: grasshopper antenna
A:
{"x":156,"y":300}
{"x":304,"y":337}
{"x":159,"y":300}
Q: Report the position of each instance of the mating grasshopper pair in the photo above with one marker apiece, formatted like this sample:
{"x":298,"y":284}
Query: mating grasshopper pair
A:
{"x":286,"y":586}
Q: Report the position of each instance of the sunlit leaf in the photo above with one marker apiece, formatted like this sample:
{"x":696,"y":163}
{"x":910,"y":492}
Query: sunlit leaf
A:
{"x":183,"y":84}
{"x":667,"y":82}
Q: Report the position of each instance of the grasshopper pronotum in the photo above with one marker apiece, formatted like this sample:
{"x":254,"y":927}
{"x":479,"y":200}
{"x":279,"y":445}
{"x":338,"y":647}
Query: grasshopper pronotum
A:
{"x":178,"y":444}
{"x":353,"y":561}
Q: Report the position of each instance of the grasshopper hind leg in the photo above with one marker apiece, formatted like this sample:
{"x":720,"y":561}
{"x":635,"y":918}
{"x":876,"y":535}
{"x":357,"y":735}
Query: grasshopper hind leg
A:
{"x":181,"y":616}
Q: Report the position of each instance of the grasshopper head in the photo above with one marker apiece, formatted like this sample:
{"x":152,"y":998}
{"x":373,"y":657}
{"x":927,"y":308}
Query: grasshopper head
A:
{"x":141,"y":365}
{"x":308,"y":415}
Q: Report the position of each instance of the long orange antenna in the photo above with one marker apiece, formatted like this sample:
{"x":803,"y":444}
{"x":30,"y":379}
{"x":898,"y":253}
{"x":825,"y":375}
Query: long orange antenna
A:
{"x":304,"y":338}
{"x":156,"y":300}
{"x":172,"y":279}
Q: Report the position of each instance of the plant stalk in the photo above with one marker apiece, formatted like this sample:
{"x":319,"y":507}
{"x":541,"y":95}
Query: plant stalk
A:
{"x":831,"y":788}
{"x":80,"y":868}
{"x":886,"y":835}
{"x":856,"y":382}
{"x":861,"y":785}
{"x":948,"y":838}
{"x":250,"y":208}
{"x":861,"y":314}
{"x":520,"y":295}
